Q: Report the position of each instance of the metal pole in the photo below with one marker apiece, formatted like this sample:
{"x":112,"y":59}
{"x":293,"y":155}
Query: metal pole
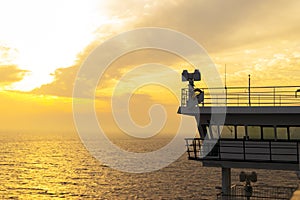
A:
{"x":226,"y":181}
{"x":298,"y":154}
{"x":225,"y":85}
{"x":249,"y":92}
{"x":225,"y":76}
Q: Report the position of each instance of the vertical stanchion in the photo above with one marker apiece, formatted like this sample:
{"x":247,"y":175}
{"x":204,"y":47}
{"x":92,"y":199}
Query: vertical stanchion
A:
{"x":226,"y":182}
{"x":270,"y":149}
{"x":274,"y":96}
{"x":249,"y":92}
{"x":298,"y":154}
{"x":225,"y":87}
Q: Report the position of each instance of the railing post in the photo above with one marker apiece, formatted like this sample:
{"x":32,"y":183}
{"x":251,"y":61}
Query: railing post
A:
{"x":226,"y":182}
{"x":226,"y":95}
{"x":199,"y":145}
{"x":280,"y":100}
{"x":203,"y":98}
{"x":219,"y":149}
{"x":244,"y":149}
{"x":298,"y":153}
{"x":194,"y":146}
{"x":187,"y":146}
{"x":249,"y":96}
{"x":274,"y":96}
{"x":270,"y":149}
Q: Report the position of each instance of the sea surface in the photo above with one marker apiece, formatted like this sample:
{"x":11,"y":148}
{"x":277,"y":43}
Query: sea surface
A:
{"x":57,"y":166}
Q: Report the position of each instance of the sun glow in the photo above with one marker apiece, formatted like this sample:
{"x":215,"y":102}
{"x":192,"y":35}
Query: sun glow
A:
{"x":43,"y":43}
{"x":47,"y":35}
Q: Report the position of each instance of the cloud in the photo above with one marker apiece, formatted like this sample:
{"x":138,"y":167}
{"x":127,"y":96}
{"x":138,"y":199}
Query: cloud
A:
{"x":273,"y":65}
{"x":65,"y":77}
{"x":220,"y":25}
{"x":140,"y":113}
{"x":11,"y":74}
{"x":48,"y":35}
{"x":7,"y":54}
{"x":245,"y":35}
{"x":62,"y":84}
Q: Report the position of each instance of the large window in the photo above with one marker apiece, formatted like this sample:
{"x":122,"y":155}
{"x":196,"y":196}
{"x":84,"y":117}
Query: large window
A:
{"x":295,"y":133}
{"x":227,"y":132}
{"x":269,"y":133}
{"x":214,"y":131}
{"x":240,"y":132}
{"x":282,"y":133}
{"x":254,"y":132}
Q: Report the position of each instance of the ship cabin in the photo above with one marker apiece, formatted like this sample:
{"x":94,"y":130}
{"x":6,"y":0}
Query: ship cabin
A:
{"x":261,"y":126}
{"x":260,"y":129}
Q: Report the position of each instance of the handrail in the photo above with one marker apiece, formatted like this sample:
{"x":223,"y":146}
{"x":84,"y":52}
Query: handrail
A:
{"x":242,"y":150}
{"x":259,"y":192}
{"x":240,"y":96}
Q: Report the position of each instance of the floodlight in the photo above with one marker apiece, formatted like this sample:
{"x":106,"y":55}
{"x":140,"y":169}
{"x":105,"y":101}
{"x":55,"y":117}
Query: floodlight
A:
{"x":243,"y":177}
{"x":197,"y":76}
{"x":191,"y":77}
{"x":253,"y":177}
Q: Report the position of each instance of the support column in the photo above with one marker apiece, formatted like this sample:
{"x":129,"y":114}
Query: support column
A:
{"x":226,"y":180}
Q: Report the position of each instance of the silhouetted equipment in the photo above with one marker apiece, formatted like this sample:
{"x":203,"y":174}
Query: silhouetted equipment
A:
{"x":186,"y":76}
{"x":199,"y":95}
{"x":192,"y":97}
{"x":248,"y":178}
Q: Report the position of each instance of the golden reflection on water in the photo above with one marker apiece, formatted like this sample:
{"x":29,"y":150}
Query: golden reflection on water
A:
{"x":55,"y":166}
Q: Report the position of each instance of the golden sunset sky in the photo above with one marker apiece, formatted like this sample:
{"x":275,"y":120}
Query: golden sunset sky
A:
{"x":43,"y":44}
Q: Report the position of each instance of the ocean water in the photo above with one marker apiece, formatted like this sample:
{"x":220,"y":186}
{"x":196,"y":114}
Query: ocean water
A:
{"x":53,"y":166}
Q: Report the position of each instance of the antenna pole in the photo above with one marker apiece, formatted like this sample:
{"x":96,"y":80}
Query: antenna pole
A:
{"x":225,"y":85}
{"x":225,"y":77}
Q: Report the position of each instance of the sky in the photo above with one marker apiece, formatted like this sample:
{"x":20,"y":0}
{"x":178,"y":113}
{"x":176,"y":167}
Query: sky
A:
{"x":44,"y":43}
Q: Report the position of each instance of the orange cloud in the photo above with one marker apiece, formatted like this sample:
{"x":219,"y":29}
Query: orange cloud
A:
{"x":224,"y":25}
{"x":65,"y":77}
{"x":62,"y":84}
{"x":234,"y":33}
{"x":139,"y":108}
{"x":10,"y":74}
